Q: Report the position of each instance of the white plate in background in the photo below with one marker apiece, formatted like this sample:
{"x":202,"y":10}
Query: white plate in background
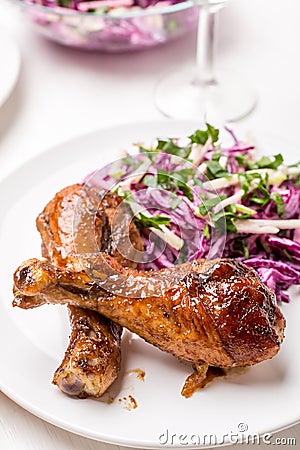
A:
{"x":263,"y":398}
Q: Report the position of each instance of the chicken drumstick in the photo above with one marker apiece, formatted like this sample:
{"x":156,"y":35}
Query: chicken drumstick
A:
{"x":216,"y":313}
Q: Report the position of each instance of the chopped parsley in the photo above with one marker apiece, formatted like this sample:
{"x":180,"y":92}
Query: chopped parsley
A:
{"x":206,"y":232}
{"x":209,"y":204}
{"x":215,"y":170}
{"x":143,"y":221}
{"x":169,"y":146}
{"x":266,"y":162}
{"x":278,"y":200}
{"x":176,"y":181}
{"x":202,"y":136}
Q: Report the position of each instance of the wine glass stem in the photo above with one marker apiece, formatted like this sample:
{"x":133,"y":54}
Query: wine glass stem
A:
{"x":206,"y":46}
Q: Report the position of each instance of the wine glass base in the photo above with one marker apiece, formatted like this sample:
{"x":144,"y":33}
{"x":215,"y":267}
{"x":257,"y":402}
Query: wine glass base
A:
{"x":229,"y":99}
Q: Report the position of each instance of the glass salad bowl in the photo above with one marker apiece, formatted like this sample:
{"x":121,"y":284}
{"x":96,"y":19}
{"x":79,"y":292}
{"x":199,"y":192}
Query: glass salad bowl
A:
{"x":120,"y":29}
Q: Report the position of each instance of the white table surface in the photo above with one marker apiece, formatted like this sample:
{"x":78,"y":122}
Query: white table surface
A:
{"x":63,"y":93}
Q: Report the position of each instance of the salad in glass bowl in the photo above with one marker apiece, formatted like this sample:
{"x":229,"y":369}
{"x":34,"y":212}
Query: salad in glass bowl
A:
{"x":111,"y":25}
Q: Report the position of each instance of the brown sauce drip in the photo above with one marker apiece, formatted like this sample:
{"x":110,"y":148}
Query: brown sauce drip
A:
{"x":140,"y":374}
{"x":129,"y":403}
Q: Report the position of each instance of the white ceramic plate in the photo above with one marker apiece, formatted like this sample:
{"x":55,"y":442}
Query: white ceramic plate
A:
{"x":10,"y":66}
{"x":262,"y":399}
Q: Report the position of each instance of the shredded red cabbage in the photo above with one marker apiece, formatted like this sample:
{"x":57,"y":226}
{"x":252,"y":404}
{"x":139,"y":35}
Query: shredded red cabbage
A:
{"x":214,"y":200}
{"x":102,"y":5}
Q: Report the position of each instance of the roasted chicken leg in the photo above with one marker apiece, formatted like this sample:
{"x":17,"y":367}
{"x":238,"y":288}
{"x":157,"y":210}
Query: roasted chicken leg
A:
{"x":92,"y":360}
{"x":93,"y":357}
{"x":218,"y":313}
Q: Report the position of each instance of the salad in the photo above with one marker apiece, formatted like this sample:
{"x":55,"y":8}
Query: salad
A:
{"x":103,"y":6}
{"x":111,"y":25}
{"x":204,"y":199}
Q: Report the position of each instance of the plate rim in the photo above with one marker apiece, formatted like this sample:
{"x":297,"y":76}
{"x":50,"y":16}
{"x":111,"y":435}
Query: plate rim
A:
{"x":38,"y":411}
{"x":133,"y":444}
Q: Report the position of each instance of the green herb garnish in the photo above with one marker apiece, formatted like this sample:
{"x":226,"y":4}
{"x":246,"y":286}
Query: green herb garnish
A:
{"x":201,"y":136}
{"x":215,"y":170}
{"x":143,"y":221}
{"x":277,"y":198}
{"x":266,"y":162}
{"x":172,"y":148}
{"x":207,"y":205}
{"x":206,"y":232}
{"x":176,"y":181}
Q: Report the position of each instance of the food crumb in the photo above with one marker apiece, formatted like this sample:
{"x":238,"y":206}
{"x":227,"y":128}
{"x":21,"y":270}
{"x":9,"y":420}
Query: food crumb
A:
{"x":110,"y":400}
{"x":129,"y":402}
{"x":133,"y":402}
{"x":140,"y":374}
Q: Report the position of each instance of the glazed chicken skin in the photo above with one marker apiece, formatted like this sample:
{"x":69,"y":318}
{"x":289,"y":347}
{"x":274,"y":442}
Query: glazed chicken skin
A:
{"x":215,"y":313}
{"x":81,"y":220}
{"x":93,"y":357}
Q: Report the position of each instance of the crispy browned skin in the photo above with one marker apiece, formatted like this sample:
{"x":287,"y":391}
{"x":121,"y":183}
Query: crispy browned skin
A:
{"x":80,"y":220}
{"x":92,"y":360}
{"x":208,"y":312}
{"x":216,"y":312}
